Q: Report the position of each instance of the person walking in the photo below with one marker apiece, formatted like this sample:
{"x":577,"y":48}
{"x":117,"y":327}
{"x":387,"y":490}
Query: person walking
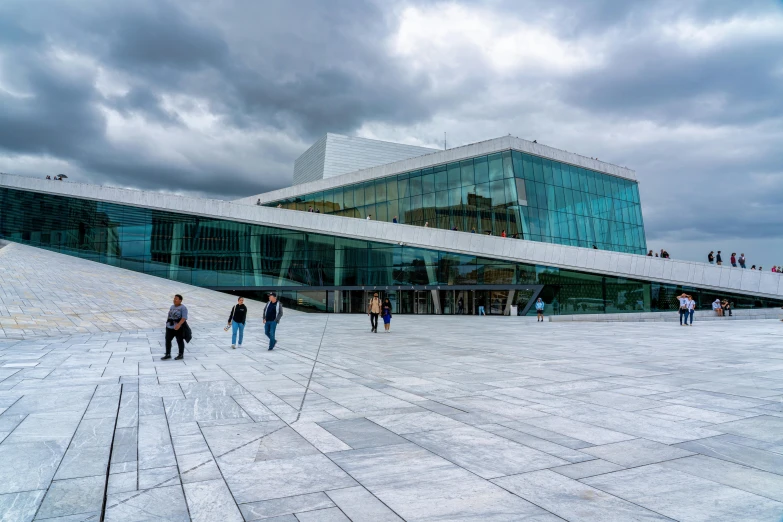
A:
{"x":481,"y":305}
{"x":742,"y":260}
{"x":374,"y":310}
{"x":718,"y":259}
{"x":386,"y":313}
{"x":711,"y":257}
{"x":460,"y":306}
{"x":683,"y":299}
{"x":540,"y":310}
{"x":733,"y":259}
{"x":691,"y":308}
{"x":177,"y":318}
{"x":273,"y":312}
{"x":236,"y":320}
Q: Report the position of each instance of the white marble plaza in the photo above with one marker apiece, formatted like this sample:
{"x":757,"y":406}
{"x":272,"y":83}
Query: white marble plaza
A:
{"x":445,"y":418}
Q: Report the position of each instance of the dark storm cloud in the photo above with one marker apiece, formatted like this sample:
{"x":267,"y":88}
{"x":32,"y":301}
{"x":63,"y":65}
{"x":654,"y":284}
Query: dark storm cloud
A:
{"x":301,"y":70}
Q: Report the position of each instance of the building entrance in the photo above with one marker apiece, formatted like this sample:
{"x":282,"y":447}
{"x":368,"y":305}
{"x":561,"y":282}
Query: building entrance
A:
{"x":426,"y":301}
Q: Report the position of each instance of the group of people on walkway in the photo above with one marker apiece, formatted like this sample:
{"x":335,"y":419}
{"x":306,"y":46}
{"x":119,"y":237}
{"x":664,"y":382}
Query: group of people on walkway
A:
{"x":177,"y":324}
{"x":664,"y":254}
{"x":688,"y":307}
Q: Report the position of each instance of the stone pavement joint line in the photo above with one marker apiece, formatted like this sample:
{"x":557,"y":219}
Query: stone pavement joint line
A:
{"x":445,"y":418}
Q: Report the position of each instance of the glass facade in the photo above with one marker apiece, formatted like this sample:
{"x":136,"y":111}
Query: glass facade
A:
{"x":526,"y":196}
{"x":317,"y":271}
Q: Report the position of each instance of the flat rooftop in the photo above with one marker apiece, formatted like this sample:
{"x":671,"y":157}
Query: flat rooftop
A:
{"x":444,"y":418}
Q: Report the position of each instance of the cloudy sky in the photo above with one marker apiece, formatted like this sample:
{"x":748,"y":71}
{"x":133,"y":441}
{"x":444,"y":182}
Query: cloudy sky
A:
{"x":219,"y":97}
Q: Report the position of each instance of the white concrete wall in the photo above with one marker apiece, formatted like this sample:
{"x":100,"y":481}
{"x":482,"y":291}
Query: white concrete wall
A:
{"x":442,"y":157}
{"x":335,"y":155}
{"x":721,"y":278}
{"x":309,"y":166}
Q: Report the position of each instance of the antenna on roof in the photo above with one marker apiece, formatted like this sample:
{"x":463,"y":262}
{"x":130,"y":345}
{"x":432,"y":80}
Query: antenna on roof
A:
{"x":444,"y":141}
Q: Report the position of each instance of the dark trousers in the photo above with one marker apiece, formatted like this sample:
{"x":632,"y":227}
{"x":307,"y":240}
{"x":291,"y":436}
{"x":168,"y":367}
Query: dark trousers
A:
{"x":374,"y":322}
{"x":684,"y":314}
{"x":727,"y":311}
{"x":690,"y":315}
{"x":175,"y":334}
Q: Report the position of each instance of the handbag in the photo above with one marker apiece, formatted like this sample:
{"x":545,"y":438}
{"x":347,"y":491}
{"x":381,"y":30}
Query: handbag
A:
{"x":232,"y":315}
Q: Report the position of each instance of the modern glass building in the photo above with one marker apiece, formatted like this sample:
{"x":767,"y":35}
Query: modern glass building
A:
{"x":573,"y":236}
{"x":524,"y":195}
{"x":321,"y":272}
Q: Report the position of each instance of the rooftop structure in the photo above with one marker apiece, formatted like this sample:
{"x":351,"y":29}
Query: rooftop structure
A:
{"x":335,"y":154}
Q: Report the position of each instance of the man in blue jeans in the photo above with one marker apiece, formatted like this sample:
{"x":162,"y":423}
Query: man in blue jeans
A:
{"x":273,"y":312}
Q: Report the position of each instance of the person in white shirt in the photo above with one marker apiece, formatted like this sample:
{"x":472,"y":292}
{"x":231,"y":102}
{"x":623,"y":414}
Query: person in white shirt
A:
{"x":683,"y":299}
{"x":717,"y":307}
{"x":691,"y":308}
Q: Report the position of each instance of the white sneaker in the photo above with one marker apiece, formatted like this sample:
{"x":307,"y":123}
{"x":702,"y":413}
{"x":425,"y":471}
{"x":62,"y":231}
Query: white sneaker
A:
{"x":233,"y":346}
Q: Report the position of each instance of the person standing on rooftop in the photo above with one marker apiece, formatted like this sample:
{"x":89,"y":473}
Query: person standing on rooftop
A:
{"x":742,"y":260}
{"x":395,"y":220}
{"x":718,"y":259}
{"x":711,"y":257}
{"x":734,"y":259}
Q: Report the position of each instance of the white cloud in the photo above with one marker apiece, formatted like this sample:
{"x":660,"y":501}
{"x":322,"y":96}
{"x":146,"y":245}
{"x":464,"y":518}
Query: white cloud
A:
{"x":438,"y":36}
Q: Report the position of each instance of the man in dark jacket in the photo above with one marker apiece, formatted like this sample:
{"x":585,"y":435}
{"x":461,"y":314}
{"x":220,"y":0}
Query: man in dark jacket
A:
{"x":273,"y":312}
{"x":237,"y":320}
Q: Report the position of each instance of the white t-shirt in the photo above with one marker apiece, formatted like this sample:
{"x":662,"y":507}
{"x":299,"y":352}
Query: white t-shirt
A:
{"x":683,"y":302}
{"x":716,"y":304}
{"x":691,"y":304}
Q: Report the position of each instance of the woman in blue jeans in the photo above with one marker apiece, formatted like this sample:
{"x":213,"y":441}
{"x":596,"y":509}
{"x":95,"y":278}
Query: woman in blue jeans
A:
{"x":237,"y":320}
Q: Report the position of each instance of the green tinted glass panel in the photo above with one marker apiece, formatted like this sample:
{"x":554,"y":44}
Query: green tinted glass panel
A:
{"x":481,"y":169}
{"x":495,"y":167}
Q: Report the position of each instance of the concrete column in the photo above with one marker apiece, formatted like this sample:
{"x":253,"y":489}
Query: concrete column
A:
{"x":509,"y":302}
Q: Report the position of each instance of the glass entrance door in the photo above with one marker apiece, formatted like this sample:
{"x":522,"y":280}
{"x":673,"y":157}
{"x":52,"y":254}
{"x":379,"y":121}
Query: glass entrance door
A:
{"x":422,"y":302}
